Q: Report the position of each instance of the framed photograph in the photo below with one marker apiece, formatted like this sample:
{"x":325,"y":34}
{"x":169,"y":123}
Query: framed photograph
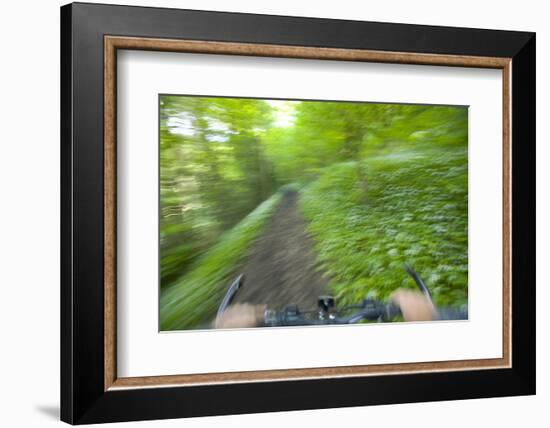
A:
{"x":266,"y":213}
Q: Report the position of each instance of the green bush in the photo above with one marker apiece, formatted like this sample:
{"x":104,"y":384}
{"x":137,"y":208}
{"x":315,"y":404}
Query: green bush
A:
{"x":193,"y":300}
{"x":410,"y":207}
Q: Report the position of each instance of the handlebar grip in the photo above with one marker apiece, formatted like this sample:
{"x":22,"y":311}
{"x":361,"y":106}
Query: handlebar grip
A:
{"x":452,"y":313}
{"x":392,"y":311}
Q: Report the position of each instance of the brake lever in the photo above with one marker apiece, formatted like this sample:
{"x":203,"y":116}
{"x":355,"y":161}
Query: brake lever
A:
{"x":230,"y":295}
{"x":419,"y":282}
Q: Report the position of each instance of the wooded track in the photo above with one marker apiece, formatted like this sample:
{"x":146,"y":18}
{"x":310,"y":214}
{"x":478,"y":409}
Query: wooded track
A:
{"x":281,"y":269}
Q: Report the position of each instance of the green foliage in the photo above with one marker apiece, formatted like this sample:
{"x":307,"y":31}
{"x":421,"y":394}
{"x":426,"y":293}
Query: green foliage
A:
{"x":325,"y":133}
{"x":192,"y":301}
{"x":213,"y":172}
{"x":416,"y":213}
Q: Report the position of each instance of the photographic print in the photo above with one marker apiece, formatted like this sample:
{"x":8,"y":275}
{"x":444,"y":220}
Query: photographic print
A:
{"x":278,"y":213}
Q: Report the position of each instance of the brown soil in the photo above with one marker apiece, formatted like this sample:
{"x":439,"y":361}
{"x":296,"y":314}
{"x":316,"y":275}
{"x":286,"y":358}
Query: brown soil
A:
{"x":281,"y":268}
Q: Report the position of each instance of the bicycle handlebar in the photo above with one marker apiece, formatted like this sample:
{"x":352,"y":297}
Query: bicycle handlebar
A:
{"x":372,"y":310}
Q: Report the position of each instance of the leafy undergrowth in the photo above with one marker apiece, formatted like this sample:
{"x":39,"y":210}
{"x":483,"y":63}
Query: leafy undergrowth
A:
{"x":193,"y":300}
{"x":410,"y":207}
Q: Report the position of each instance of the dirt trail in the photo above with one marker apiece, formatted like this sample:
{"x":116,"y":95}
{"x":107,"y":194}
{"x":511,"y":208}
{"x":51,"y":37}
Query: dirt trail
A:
{"x":281,"y":268}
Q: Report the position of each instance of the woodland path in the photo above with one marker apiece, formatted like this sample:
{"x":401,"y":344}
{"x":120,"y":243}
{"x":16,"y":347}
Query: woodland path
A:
{"x":281,"y":269}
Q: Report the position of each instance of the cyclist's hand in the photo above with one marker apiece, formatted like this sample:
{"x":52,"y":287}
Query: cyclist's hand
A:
{"x":414,"y":305}
{"x":241,"y":315}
